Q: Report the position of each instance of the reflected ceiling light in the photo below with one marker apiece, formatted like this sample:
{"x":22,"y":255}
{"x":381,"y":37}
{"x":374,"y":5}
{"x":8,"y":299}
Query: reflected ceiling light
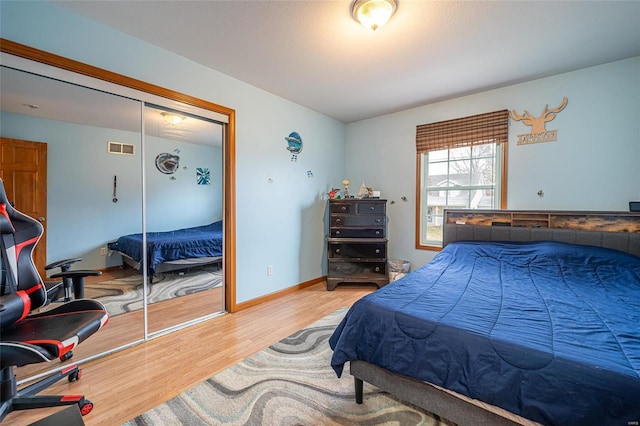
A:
{"x":373,"y":13}
{"x":172,"y":118}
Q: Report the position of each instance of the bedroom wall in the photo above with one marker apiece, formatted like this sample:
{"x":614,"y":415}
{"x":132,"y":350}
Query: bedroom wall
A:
{"x":279,"y":203}
{"x":81,"y":216}
{"x":176,"y":201}
{"x":592,"y":166}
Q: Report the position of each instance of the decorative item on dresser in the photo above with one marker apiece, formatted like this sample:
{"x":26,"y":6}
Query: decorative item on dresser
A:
{"x":357,"y":243}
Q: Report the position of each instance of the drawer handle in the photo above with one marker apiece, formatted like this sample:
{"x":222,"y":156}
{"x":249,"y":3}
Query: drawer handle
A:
{"x":338,"y":220}
{"x":377,"y":251}
{"x":377,"y":269}
{"x":377,"y":232}
{"x":344,"y":208}
{"x":377,"y":220}
{"x":337,"y":250}
{"x":337,"y":232}
{"x":372,"y":208}
{"x":338,"y":268}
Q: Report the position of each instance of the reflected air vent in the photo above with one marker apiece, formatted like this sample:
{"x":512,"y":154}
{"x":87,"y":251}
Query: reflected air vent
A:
{"x":120,"y":148}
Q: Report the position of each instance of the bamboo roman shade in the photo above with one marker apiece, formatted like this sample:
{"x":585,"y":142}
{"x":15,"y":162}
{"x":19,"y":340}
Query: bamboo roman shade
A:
{"x":491,"y":127}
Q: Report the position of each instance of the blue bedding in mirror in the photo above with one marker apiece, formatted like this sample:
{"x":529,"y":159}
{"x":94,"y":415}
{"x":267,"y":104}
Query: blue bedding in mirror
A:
{"x":187,"y":243}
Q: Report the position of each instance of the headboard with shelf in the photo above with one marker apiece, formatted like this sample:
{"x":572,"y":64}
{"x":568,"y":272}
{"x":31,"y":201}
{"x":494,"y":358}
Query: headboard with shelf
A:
{"x":617,"y":230}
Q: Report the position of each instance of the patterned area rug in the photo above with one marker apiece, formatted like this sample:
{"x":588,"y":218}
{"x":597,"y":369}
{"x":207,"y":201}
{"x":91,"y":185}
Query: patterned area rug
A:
{"x":125,"y":294}
{"x":289,"y":383}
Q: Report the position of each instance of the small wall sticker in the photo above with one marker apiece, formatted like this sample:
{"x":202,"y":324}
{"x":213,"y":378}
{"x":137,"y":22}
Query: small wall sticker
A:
{"x":294,"y":145}
{"x":203,"y":177}
{"x":167,"y":163}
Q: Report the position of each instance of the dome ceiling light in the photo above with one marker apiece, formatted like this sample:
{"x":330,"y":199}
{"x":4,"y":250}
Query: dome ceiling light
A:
{"x":373,"y":14}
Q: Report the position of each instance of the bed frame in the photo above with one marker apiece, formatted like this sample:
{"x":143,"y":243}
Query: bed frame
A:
{"x":617,"y":230}
{"x":173,"y":265}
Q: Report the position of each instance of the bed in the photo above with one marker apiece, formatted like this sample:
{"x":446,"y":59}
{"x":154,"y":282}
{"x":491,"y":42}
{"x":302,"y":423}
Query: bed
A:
{"x":172,"y":250}
{"x":502,"y":332}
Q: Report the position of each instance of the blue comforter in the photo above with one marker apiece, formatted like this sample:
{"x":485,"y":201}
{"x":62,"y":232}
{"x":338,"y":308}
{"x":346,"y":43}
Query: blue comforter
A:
{"x":549,"y":331}
{"x":199,"y":241}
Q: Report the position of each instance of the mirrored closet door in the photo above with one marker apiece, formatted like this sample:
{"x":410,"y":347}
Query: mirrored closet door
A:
{"x":132,"y":184}
{"x":88,"y":177}
{"x":184,"y":217}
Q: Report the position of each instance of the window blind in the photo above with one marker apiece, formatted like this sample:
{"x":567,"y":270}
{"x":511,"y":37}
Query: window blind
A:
{"x":490,"y":127}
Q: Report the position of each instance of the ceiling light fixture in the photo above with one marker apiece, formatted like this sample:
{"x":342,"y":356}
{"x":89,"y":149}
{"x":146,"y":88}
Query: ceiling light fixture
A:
{"x":172,"y":118}
{"x":373,"y":14}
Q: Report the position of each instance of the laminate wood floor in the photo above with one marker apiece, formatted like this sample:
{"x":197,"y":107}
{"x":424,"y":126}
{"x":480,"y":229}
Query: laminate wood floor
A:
{"x":127,"y":328}
{"x":127,"y":383}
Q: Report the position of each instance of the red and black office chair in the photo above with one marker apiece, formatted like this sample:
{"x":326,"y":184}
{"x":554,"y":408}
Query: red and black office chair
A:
{"x":27,"y":337}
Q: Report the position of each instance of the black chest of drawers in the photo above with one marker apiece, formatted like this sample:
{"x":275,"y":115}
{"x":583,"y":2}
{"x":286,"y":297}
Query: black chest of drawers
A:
{"x":357,"y":242}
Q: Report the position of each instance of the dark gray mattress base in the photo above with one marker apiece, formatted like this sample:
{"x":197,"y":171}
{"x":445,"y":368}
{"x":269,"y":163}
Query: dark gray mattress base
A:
{"x":174,"y":265}
{"x":425,"y":396}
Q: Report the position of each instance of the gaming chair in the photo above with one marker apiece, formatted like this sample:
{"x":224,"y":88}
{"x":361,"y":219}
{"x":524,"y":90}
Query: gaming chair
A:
{"x":27,"y":337}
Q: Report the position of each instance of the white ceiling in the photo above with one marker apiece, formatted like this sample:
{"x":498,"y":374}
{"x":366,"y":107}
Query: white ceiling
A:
{"x":314,"y":54}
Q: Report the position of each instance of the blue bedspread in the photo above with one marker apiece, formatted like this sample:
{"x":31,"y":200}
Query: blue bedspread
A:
{"x":199,"y":241}
{"x":549,"y":331}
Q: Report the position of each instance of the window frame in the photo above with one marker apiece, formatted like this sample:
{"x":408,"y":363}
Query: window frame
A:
{"x":501,"y":160}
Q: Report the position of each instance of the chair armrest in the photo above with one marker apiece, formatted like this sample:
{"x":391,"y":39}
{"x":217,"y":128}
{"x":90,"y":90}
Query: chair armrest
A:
{"x":64,"y":264}
{"x":77,"y":278}
{"x":79,"y":273}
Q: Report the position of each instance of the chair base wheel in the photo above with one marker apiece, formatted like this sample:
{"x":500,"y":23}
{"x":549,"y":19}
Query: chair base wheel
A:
{"x":76,"y":375}
{"x":85,"y":407}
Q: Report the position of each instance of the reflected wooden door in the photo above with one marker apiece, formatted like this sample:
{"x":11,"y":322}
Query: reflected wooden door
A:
{"x":23,"y":169}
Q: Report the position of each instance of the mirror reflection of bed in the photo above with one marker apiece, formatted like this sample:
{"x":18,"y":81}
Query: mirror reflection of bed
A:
{"x":179,"y":263}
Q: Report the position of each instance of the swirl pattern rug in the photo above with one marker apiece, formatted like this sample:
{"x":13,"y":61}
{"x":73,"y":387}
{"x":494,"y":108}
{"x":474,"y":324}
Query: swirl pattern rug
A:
{"x":289,"y":383}
{"x":125,"y":294}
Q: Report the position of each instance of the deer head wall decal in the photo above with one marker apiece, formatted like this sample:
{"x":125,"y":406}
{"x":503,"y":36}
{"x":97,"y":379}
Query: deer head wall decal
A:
{"x":538,"y":123}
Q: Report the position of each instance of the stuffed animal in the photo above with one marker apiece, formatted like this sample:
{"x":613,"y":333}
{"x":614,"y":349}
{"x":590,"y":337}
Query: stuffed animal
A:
{"x":333,"y":193}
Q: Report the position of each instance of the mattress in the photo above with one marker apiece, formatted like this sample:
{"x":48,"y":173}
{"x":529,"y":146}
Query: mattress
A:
{"x":549,"y":331}
{"x":186,"y":243}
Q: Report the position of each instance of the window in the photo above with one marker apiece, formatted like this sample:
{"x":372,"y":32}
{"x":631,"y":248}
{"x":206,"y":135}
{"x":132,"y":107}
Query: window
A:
{"x":461,"y":164}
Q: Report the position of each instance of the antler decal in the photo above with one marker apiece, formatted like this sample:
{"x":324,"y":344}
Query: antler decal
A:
{"x":538,"y":123}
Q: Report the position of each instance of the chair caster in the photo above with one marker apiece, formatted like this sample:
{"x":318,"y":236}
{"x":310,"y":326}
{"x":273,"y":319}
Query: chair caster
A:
{"x":76,"y":375}
{"x":85,"y":406}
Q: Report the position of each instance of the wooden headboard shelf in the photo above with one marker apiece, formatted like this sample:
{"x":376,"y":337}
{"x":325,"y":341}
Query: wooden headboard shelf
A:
{"x":573,"y":220}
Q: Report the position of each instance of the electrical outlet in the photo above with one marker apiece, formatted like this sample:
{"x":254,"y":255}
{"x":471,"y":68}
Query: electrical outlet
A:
{"x":269,"y":269}
{"x":103,"y":251}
